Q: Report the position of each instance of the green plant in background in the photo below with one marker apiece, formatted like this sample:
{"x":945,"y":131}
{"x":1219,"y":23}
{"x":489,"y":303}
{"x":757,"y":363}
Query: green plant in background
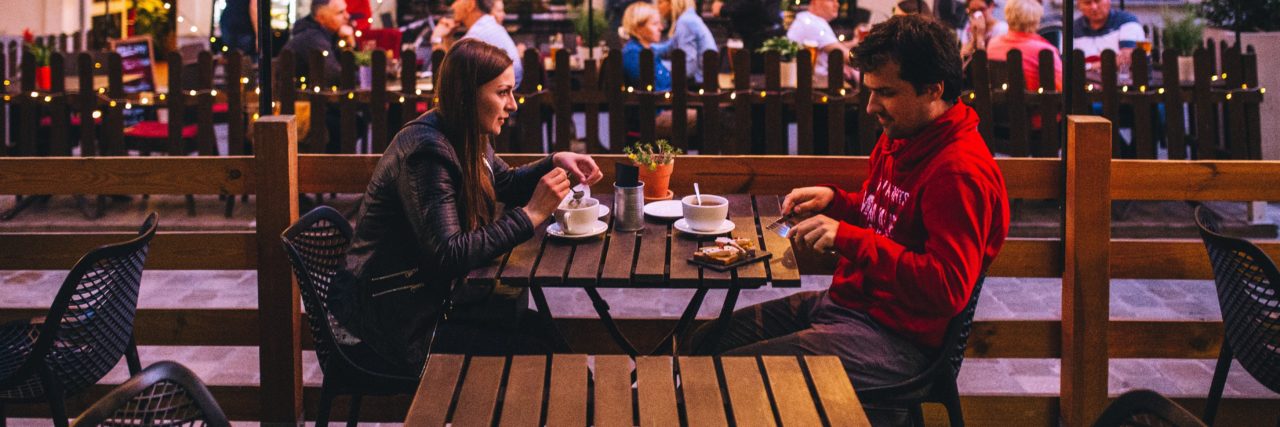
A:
{"x":1183,"y":32}
{"x":1242,"y":15}
{"x":364,"y":58}
{"x":39,"y":52}
{"x":786,"y":48}
{"x":590,"y":29}
{"x":153,"y":19}
{"x":651,"y":155}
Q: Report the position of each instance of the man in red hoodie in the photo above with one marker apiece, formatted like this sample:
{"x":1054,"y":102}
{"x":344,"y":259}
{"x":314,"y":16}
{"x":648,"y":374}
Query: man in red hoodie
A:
{"x":912,"y":240}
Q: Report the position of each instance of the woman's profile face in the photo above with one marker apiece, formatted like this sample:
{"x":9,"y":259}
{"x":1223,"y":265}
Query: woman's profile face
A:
{"x":495,"y":101}
{"x":651,"y":32}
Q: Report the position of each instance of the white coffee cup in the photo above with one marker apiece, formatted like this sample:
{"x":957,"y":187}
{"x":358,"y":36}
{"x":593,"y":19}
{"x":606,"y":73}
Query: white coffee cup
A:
{"x":580,"y":219}
{"x":709,"y":215}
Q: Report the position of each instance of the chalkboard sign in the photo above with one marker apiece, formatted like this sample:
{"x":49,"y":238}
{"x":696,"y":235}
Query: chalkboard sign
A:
{"x":138,"y":63}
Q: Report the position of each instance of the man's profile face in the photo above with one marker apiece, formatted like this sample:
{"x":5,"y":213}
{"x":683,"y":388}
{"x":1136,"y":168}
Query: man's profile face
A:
{"x":825,"y":9}
{"x":1095,"y":11}
{"x":333,"y":16}
{"x":463,"y":8}
{"x":894,"y":102}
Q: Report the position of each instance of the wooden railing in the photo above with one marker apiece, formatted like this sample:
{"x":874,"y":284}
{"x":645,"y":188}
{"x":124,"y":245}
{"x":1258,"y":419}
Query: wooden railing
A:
{"x":1086,"y":258}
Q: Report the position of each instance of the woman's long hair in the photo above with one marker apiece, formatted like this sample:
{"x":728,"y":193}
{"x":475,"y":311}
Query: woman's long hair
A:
{"x":469,"y":65}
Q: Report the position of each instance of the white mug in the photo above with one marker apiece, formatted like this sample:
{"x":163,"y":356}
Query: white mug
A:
{"x":578,"y":220}
{"x":707,"y":216}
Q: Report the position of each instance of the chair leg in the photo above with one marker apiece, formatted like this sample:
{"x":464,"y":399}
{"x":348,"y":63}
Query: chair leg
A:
{"x":916,"y":413}
{"x":951,"y":400}
{"x":58,"y":409}
{"x":132,"y":359}
{"x":326,"y":403}
{"x":4,"y":419}
{"x":1219,"y":382}
{"x":353,"y":414}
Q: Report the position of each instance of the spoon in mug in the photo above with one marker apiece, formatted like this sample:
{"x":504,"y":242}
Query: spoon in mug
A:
{"x":697,"y":193}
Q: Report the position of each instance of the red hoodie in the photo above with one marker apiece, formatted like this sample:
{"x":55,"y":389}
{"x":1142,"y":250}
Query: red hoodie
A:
{"x":931,"y":216}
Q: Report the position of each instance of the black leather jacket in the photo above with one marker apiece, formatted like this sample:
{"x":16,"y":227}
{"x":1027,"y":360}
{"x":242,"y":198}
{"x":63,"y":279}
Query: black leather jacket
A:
{"x":410,"y":248}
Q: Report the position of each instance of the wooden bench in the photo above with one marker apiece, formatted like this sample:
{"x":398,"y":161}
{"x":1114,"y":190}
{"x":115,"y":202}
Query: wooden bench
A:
{"x":577,"y":390}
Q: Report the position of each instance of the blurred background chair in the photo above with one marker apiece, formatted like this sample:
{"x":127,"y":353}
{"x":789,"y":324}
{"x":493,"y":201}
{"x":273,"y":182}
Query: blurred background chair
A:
{"x":1145,"y":408}
{"x":88,"y":328}
{"x":317,"y":245}
{"x":165,"y":394}
{"x":1249,"y":294}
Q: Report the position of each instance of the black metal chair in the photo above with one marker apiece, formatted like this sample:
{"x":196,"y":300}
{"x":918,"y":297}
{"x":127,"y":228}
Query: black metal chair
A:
{"x":1145,"y":408}
{"x":316,"y":245}
{"x":1249,"y":294}
{"x":88,"y":328}
{"x":937,"y":383}
{"x":165,"y":394}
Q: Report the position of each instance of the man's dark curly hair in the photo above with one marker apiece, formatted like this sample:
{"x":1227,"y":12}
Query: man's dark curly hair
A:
{"x":926,"y":52}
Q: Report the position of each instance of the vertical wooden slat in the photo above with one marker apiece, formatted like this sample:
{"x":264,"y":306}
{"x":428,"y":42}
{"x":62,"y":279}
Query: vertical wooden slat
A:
{"x":530,"y":116}
{"x":742,"y":213}
{"x":408,"y":86}
{"x":1086,"y":279}
{"x":804,"y":104}
{"x":1050,"y":107}
{"x":1249,"y":66}
{"x":679,"y":100}
{"x":233,"y":72}
{"x":554,"y":263}
{"x":700,"y":387}
{"x":204,"y":113}
{"x":1235,"y":131}
{"x":591,"y":85}
{"x":620,"y":257}
{"x":774,"y":127}
{"x":790,"y":391}
{"x":648,"y":106}
{"x":6,"y":105}
{"x":656,"y":392}
{"x":839,"y":403}
{"x":318,"y":136}
{"x":836,"y":143}
{"x":59,"y":133}
{"x":981,"y":96}
{"x":1016,"y":102}
{"x":1143,"y":143}
{"x":747,"y":395}
{"x":651,"y":262}
{"x":279,"y":328}
{"x":1206,"y":133}
{"x":29,"y":107}
{"x":567,"y":397}
{"x":435,"y":391}
{"x":562,"y":93}
{"x":113,"y":126}
{"x":286,"y":69}
{"x":588,"y":255}
{"x":709,"y":119}
{"x":378,"y":103}
{"x":1079,"y":98}
{"x":783,"y":268}
{"x":177,"y":104}
{"x":1175,"y":126}
{"x":741,"y":143}
{"x":615,"y":93}
{"x":62,"y":43}
{"x":479,"y":395}
{"x":523,"y":259}
{"x":1111,"y":96}
{"x":348,"y":105}
{"x":522,"y":404}
{"x":613,"y":399}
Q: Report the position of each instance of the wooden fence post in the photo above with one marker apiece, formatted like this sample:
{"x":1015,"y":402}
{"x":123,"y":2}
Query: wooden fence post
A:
{"x":279,"y":329}
{"x":1086,"y":274}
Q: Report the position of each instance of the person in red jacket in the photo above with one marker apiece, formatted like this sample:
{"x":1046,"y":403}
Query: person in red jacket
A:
{"x":912,"y":240}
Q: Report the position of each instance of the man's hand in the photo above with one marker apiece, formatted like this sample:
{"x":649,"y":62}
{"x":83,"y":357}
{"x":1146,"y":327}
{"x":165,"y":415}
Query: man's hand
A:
{"x":347,"y":34}
{"x":817,"y":233}
{"x":715,"y":7}
{"x":443,"y":29}
{"x":580,"y":166}
{"x":807,"y":201}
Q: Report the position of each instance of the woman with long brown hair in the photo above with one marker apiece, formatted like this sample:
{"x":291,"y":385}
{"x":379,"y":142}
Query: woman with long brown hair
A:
{"x":439,"y":204}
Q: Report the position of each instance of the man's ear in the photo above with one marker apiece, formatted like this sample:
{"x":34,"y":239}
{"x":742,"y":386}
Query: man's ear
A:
{"x":933,"y":91}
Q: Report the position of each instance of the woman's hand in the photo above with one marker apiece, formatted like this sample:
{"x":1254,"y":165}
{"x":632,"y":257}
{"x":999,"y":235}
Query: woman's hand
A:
{"x":807,"y":201}
{"x":580,"y":166}
{"x":551,"y":189}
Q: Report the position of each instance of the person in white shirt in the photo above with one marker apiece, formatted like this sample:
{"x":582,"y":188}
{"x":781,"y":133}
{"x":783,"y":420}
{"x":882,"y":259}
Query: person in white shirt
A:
{"x":477,"y":17}
{"x":1099,"y":28}
{"x":814,"y":26}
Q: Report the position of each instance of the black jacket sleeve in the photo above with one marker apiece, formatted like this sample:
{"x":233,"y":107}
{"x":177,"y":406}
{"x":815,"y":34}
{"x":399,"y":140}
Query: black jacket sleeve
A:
{"x":514,"y":186}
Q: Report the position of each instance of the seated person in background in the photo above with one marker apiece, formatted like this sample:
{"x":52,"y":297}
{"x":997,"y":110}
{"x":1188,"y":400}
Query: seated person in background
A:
{"x":690,"y":34}
{"x":441,"y":203}
{"x":911,"y":7}
{"x":239,"y":25}
{"x":813,"y":26}
{"x":643,"y":24}
{"x":982,"y":27}
{"x":320,"y":32}
{"x":1024,"y":20}
{"x":1099,"y":28}
{"x":478,"y":17}
{"x":912,"y":239}
{"x":754,"y":21}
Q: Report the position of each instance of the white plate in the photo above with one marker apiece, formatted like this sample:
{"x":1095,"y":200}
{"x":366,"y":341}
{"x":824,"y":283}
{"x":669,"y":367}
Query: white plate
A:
{"x":725,"y":227}
{"x":668,"y":209}
{"x":596,"y":229}
{"x":604,"y":210}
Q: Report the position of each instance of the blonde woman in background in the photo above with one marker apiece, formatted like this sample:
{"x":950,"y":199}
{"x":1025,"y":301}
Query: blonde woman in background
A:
{"x":643,"y":24}
{"x":690,"y":34}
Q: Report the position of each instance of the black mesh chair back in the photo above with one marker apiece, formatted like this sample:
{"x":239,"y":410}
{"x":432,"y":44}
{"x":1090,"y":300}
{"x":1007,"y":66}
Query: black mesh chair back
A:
{"x":1248,"y":286}
{"x":165,"y":394}
{"x":317,"y":245}
{"x":88,"y":327}
{"x":1145,"y":408}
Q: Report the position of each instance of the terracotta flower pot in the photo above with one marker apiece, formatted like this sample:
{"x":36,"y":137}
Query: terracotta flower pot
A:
{"x":657,"y":182}
{"x":44,"y":77}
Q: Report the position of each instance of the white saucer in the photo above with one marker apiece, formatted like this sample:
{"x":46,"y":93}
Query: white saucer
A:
{"x":666,"y":209}
{"x":725,"y":227}
{"x":596,"y":229}
{"x":604,"y":210}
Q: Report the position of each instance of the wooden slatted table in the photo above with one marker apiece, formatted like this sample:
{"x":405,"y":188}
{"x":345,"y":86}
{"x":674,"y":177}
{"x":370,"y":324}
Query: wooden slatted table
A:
{"x":655,"y":257}
{"x":577,"y":390}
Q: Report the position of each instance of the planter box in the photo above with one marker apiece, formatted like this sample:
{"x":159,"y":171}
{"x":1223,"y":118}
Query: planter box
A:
{"x":1267,"y":47}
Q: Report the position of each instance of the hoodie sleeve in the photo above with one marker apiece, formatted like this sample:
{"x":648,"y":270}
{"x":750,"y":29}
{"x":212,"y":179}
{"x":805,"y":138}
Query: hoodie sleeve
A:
{"x":844,"y":206}
{"x":957,"y":213}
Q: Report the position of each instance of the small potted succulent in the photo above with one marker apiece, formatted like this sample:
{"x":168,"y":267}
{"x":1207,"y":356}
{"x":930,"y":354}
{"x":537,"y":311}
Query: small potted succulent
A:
{"x":40,"y":53}
{"x":1183,"y":33}
{"x":364,"y":60}
{"x":656,"y":161}
{"x":787,"y":51}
